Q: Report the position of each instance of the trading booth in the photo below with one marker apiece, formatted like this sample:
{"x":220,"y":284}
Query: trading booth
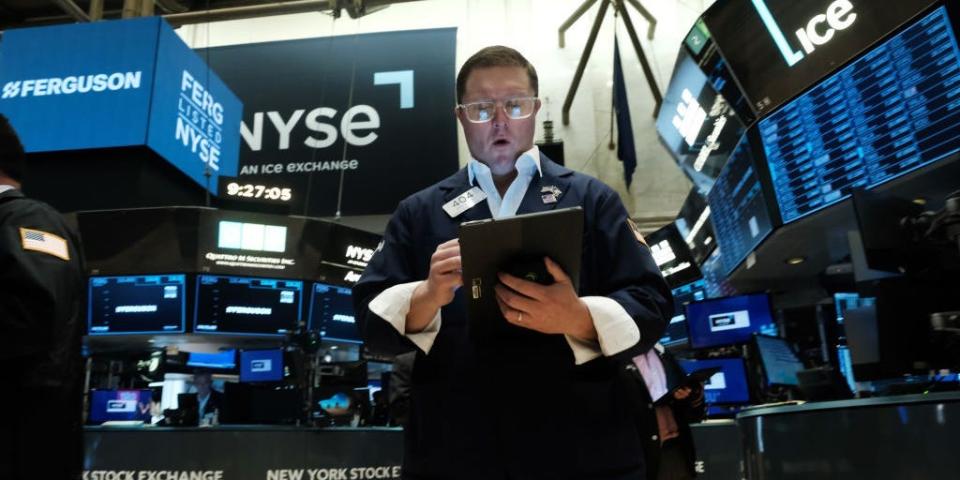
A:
{"x":815,"y":260}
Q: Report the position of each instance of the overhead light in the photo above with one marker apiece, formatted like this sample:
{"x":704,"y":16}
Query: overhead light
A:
{"x":795,"y":260}
{"x":920,"y":201}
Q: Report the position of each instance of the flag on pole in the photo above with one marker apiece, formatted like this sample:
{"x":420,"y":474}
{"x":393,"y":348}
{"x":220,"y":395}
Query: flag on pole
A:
{"x":626,"y":149}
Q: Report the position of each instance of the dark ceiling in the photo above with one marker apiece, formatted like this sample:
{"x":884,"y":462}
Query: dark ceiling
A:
{"x":26,"y":13}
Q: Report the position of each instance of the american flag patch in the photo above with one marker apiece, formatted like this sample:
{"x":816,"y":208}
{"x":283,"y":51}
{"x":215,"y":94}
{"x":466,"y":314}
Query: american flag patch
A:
{"x":43,"y":242}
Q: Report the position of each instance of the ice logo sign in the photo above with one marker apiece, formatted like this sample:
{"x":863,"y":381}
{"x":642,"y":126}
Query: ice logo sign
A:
{"x":812,"y":34}
{"x":199,"y":121}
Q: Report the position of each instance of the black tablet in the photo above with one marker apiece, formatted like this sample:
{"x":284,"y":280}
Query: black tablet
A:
{"x":516,"y":245}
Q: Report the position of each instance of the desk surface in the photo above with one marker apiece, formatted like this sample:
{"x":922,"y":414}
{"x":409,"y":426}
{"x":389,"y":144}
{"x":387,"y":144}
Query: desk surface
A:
{"x":894,"y":400}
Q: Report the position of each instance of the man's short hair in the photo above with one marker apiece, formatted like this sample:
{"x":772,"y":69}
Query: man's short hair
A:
{"x":11,"y":151}
{"x":495,"y":56}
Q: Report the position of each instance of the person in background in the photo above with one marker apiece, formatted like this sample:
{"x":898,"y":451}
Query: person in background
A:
{"x":209,"y":399}
{"x":666,"y":413}
{"x":41,"y":325}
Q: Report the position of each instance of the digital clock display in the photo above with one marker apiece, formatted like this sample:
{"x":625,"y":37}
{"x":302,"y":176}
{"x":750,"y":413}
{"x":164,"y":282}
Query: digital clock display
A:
{"x":254,"y":191}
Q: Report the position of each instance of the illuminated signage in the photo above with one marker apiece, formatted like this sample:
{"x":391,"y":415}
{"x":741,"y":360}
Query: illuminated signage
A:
{"x":838,"y":16}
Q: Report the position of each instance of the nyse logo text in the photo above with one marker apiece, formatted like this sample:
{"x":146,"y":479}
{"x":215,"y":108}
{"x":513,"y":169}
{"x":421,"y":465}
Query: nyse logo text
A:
{"x":199,"y":121}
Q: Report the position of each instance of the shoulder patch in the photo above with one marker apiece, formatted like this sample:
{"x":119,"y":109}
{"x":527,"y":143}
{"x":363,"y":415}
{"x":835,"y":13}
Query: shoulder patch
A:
{"x":44,"y":242}
{"x":636,"y":231}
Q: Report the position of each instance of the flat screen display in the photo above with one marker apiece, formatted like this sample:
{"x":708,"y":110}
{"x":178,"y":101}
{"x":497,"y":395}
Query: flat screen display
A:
{"x":738,"y":208}
{"x":261,"y":365}
{"x":778,"y":48}
{"x":695,"y":226}
{"x":672,"y":256}
{"x":137,"y":304}
{"x":729,"y":320}
{"x":780,"y":363}
{"x":119,"y":405}
{"x":225,"y":360}
{"x":728,"y":386}
{"x":331,"y":312}
{"x":676,"y":332}
{"x":247,"y":305}
{"x":703,"y":49}
{"x":697,"y":126}
{"x":888,"y":113}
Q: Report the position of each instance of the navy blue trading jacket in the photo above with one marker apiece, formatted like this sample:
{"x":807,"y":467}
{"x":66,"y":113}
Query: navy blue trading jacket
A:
{"x":519,"y":408}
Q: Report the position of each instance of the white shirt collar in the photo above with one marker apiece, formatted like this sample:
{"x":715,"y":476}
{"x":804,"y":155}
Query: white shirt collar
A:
{"x":523,"y":162}
{"x":4,"y":188}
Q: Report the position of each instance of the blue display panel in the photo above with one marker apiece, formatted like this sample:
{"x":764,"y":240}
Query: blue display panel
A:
{"x":86,"y":85}
{"x":136,"y":304}
{"x":728,"y":386}
{"x":225,"y":360}
{"x":261,"y":365}
{"x":729,"y":320}
{"x":738,"y":208}
{"x":116,"y":405}
{"x":676,"y":332}
{"x":246,"y":305}
{"x":780,"y":364}
{"x":331,"y":312}
{"x":887,"y":113}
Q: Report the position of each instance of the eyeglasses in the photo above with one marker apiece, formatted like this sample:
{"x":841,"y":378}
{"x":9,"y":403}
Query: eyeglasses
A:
{"x":515,"y":108}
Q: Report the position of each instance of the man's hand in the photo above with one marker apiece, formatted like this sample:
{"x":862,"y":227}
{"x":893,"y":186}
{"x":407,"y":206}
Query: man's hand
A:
{"x":439,"y":288}
{"x":548,"y":309}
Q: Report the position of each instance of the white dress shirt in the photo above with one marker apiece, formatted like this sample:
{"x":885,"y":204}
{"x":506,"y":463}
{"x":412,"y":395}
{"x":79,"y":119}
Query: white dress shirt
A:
{"x":616,"y":330}
{"x":4,"y":188}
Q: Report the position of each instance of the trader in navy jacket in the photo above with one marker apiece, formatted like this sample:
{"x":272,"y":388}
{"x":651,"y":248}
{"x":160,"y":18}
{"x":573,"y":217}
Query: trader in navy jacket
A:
{"x":549,"y":401}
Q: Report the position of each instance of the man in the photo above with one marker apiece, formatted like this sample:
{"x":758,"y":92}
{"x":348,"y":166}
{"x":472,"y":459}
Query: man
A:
{"x":208,"y":398}
{"x":41,"y":308}
{"x":666,"y":414}
{"x":548,"y":401}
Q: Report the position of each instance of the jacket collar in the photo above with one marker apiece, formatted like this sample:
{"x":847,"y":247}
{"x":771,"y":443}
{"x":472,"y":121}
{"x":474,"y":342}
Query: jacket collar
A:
{"x":551,"y":175}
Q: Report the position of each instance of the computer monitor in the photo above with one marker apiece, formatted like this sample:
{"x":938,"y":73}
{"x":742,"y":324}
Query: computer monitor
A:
{"x":696,"y":125}
{"x":729,"y":320}
{"x":739,"y":210}
{"x":118,"y":405}
{"x":673,"y":256}
{"x":880,"y":117}
{"x":676,"y":332}
{"x":331,"y":312}
{"x":247,"y":305}
{"x":225,"y":360}
{"x":728,"y":386}
{"x":694,"y":224}
{"x":261,"y":365}
{"x":780,"y":364}
{"x":136,"y":304}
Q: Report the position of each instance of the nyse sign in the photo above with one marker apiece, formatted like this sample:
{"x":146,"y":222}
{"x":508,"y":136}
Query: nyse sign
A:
{"x":199,"y":121}
{"x":361,"y":127}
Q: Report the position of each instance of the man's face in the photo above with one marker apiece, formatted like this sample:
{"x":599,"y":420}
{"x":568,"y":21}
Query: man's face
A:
{"x":202,"y":384}
{"x":499,"y":142}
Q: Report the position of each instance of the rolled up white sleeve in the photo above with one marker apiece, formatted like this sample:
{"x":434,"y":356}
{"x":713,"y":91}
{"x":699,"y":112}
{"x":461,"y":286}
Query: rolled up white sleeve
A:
{"x":393,"y":305}
{"x":616,"y":330}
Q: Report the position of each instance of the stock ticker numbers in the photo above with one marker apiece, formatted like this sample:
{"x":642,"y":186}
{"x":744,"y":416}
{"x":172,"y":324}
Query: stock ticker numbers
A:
{"x":890,"y":112}
{"x":741,"y":219}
